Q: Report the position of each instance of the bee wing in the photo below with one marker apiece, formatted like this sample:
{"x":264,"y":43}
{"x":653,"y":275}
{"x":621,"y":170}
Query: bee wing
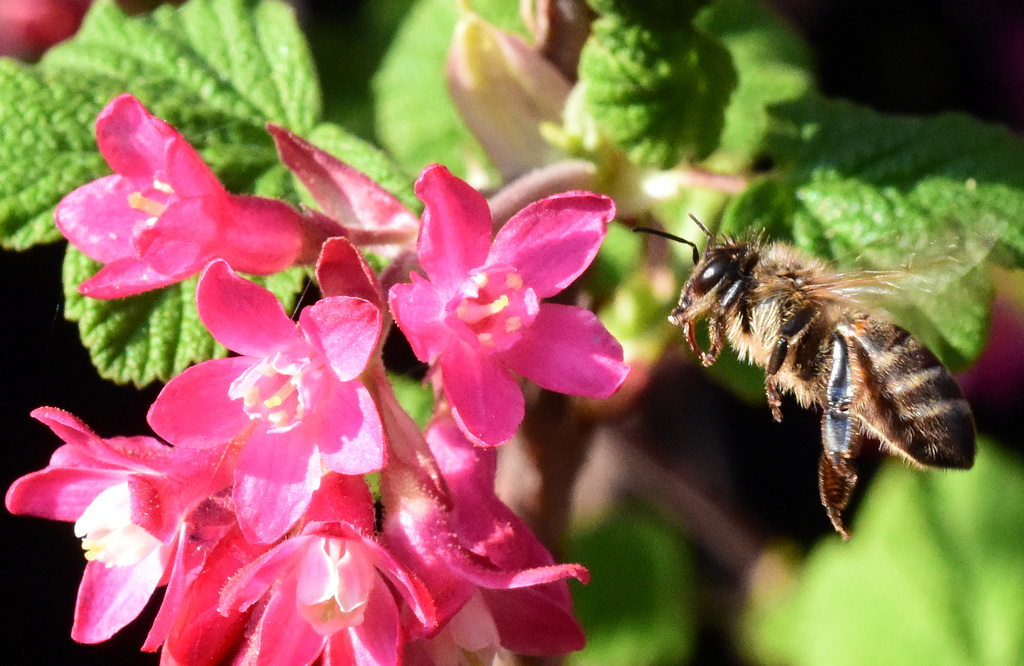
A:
{"x":869,"y":288}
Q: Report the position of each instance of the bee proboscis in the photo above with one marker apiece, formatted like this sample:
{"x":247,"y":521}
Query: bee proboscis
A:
{"x":792,"y":315}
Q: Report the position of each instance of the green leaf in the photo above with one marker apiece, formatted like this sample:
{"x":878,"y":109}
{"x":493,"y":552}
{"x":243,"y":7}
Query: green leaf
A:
{"x":415,"y":119}
{"x":155,"y":335}
{"x":47,"y":150}
{"x":934,"y":574}
{"x":875,"y":191}
{"x":217,"y":70}
{"x":773,"y":65}
{"x":657,"y":88}
{"x":638,"y":607}
{"x":415,"y":397}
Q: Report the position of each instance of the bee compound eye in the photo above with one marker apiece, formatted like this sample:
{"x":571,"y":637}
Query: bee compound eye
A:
{"x":710,"y":275}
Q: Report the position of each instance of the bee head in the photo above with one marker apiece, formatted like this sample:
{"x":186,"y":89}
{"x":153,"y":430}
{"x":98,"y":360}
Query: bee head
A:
{"x":714,"y":282}
{"x":717,"y":274}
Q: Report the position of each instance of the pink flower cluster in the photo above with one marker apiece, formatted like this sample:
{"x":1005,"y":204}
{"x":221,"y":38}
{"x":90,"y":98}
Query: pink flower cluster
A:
{"x":256,"y":514}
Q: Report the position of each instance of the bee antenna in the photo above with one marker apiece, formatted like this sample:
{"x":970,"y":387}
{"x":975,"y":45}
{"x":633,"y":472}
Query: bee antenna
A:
{"x":702,"y":227}
{"x":678,"y":239}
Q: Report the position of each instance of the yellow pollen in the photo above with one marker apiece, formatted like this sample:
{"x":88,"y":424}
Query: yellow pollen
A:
{"x":251,"y":398}
{"x":513,"y":281}
{"x":162,"y":186}
{"x":499,"y":304}
{"x":278,"y":418}
{"x":480,"y":280}
{"x":278,"y":398}
{"x":486,"y":339}
{"x":513,"y":324}
{"x":92,"y":549}
{"x":141,"y":203}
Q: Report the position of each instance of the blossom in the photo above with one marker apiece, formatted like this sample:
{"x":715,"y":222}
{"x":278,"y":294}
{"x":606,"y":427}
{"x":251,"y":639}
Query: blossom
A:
{"x":163,"y":215}
{"x":493,"y":583}
{"x":328,"y":590}
{"x":129,"y":498}
{"x":292,"y":399}
{"x":479,"y":312}
{"x":505,"y":91}
{"x":367,"y":214}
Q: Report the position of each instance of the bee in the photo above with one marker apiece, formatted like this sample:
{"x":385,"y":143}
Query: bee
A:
{"x":794,"y":316}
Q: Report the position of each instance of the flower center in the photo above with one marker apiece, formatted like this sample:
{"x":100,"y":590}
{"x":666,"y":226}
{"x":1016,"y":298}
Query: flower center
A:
{"x":271,"y":391}
{"x":492,"y":307}
{"x":333,"y":584}
{"x":470,"y":637}
{"x":153,"y":201}
{"x":107,"y":532}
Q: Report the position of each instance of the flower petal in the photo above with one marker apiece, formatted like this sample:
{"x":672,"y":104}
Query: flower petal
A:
{"x":285,"y":637}
{"x":97,"y":219}
{"x":351,"y":438}
{"x":456,"y":229}
{"x":258,"y":235}
{"x":178,"y":242}
{"x":552,"y":241}
{"x":418,"y":309}
{"x":194,"y":408}
{"x":132,"y":140}
{"x":531,"y":622}
{"x":486,"y":401}
{"x":111,"y":597}
{"x":345,"y":329}
{"x":241,"y":315}
{"x":378,"y":639}
{"x":59,"y":493}
{"x":568,"y":350}
{"x":345,"y":194}
{"x":126,"y":277}
{"x":274,"y":478}
{"x":342,"y":271}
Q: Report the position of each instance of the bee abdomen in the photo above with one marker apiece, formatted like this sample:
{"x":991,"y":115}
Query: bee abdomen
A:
{"x":913,"y":403}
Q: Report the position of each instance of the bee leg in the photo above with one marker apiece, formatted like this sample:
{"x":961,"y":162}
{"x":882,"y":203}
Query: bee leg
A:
{"x":836,"y":480}
{"x":771,"y":389}
{"x":717,"y":336}
{"x":790,"y":330}
{"x":707,"y":358}
{"x":837,"y":474}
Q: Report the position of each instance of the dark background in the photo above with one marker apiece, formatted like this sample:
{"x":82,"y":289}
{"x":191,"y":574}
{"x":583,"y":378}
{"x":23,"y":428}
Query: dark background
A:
{"x":912,"y":56}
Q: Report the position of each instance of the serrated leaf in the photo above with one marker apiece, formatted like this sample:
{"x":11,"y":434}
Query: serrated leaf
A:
{"x":773,"y":65}
{"x":414,"y":117}
{"x":870,"y":190}
{"x":155,"y":335}
{"x":47,"y":150}
{"x":217,"y":70}
{"x":934,"y":574}
{"x":638,"y":607}
{"x":657,"y":89}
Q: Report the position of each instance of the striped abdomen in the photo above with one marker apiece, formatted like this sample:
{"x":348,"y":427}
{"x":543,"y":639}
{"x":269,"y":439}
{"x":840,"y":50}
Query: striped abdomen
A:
{"x":910,"y":401}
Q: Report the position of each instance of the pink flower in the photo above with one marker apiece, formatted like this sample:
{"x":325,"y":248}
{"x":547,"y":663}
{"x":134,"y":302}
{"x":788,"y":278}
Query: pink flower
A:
{"x":479,"y":315}
{"x":370,"y":216}
{"x":484,"y":568}
{"x":163,"y":215}
{"x":129,"y":498}
{"x":329,"y":590}
{"x":292,"y":398}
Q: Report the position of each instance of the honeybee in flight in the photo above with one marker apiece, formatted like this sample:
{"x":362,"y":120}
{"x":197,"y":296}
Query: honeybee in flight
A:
{"x":798,"y":319}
